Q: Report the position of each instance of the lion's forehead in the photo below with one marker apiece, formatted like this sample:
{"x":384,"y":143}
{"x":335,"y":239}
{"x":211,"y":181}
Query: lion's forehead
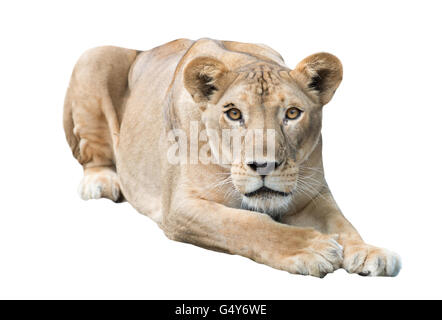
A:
{"x":265,"y":91}
{"x":261,"y":84}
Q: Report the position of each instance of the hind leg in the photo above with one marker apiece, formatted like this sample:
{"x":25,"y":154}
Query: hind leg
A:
{"x":92,"y":109}
{"x":95,"y":150}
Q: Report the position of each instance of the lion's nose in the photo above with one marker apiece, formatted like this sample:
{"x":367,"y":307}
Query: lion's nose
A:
{"x":263,"y":168}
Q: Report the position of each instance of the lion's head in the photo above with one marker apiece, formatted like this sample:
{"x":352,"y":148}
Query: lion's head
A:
{"x":285,"y":105}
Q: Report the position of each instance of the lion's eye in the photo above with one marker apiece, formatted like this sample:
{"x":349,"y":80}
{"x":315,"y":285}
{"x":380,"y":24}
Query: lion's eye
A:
{"x":234,"y":114}
{"x":293,"y":113}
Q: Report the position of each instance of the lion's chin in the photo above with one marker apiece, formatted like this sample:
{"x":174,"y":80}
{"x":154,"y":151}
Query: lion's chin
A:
{"x":264,"y":200}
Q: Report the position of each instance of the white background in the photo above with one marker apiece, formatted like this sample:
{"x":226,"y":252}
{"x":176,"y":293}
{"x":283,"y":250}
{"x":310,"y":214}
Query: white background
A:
{"x":382,"y":134}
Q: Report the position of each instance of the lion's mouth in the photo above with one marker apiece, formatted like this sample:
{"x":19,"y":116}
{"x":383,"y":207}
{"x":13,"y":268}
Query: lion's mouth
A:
{"x":265,"y":192}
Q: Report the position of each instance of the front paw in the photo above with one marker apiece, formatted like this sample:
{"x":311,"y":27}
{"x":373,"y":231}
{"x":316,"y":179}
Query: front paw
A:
{"x":367,"y":260}
{"x":323,"y":255}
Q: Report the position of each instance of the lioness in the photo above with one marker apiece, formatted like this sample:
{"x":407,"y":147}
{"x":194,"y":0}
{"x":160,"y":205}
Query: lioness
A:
{"x":275,"y":207}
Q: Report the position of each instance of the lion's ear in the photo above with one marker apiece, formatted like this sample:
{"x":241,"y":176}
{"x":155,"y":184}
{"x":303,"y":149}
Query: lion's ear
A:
{"x":204,"y":78}
{"x":320,"y":73}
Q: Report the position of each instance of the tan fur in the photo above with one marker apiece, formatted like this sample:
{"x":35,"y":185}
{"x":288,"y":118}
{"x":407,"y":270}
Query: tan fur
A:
{"x":120,"y":106}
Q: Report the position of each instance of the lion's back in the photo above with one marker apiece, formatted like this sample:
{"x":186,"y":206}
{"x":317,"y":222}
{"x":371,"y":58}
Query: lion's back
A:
{"x":173,"y":55}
